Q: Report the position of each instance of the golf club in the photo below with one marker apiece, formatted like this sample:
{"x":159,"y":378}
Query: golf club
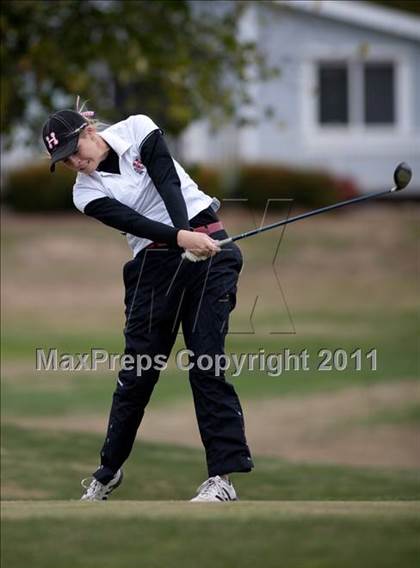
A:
{"x":402,"y":177}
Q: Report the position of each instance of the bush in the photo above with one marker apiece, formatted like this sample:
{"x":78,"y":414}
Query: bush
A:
{"x":258,"y":183}
{"x":308,"y":188}
{"x":345,"y":189}
{"x":34,"y":188}
{"x":209,"y":179}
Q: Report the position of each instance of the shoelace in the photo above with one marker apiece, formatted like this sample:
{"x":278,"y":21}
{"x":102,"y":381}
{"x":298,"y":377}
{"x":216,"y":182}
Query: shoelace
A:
{"x":85,"y":483}
{"x":92,"y":485}
{"x":206,"y":487}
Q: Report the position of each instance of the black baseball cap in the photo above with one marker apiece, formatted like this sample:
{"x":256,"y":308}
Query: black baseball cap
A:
{"x":61,"y":134}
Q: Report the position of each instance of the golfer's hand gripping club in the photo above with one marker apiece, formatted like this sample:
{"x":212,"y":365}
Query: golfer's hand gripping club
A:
{"x":189,"y":255}
{"x":198,"y":246}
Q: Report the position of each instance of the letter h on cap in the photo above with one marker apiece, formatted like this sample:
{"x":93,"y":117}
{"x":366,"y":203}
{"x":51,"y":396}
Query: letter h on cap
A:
{"x":51,"y":140}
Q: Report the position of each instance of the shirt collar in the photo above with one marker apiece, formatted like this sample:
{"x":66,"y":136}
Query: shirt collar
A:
{"x":118,"y":144}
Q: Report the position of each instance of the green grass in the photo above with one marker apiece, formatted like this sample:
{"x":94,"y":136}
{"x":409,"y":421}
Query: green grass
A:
{"x":152,"y":535}
{"x":355,"y":289}
{"x":52,"y":463}
{"x":296,"y":515}
{"x":50,"y":393}
{"x":408,"y":414}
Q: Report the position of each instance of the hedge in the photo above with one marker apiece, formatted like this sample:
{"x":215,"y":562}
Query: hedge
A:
{"x":36,"y":189}
{"x":308,"y":188}
{"x":258,"y":183}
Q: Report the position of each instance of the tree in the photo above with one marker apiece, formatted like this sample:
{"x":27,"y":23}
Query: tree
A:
{"x":176,"y":60}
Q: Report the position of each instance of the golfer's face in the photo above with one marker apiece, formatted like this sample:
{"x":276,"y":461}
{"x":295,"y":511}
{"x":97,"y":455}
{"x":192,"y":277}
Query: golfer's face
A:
{"x":87,"y":156}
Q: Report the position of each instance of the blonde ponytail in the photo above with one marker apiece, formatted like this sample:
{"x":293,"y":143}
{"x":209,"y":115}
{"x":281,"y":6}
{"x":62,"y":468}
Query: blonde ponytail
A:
{"x":89,"y":115}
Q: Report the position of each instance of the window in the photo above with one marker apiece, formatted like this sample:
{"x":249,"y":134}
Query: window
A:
{"x":333,"y":93}
{"x":356,"y":92}
{"x":379,"y":93}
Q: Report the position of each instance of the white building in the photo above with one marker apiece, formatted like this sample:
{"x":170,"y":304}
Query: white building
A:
{"x":347,"y":98}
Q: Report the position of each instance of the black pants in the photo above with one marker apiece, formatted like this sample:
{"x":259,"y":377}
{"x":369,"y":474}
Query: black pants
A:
{"x":162,"y":292}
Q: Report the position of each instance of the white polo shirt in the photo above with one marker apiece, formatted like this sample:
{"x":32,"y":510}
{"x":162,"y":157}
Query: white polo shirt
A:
{"x":133,"y":187}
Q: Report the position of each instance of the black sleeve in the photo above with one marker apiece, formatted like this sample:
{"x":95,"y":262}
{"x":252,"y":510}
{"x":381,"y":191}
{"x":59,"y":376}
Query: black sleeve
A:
{"x":156,"y":157}
{"x":119,"y":216}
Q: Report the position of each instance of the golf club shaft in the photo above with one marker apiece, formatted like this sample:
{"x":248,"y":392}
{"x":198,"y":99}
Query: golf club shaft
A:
{"x":304,"y":216}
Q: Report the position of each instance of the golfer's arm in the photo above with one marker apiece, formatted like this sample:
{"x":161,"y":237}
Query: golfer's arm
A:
{"x":161,"y":169}
{"x":119,"y":216}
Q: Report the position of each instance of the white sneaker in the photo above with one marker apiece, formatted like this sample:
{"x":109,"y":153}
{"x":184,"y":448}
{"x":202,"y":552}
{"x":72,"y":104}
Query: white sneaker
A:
{"x":215,"y":489}
{"x":97,"y":491}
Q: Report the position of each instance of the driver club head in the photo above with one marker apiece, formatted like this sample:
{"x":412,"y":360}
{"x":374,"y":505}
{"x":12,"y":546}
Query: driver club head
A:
{"x":402,"y":176}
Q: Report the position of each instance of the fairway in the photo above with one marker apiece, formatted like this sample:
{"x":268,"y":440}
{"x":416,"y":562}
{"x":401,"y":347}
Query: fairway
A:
{"x":336,"y":482}
{"x":237,"y":511}
{"x":173,"y":533}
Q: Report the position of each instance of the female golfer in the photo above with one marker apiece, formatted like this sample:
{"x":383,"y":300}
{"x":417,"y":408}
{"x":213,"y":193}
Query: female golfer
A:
{"x":127,"y":179}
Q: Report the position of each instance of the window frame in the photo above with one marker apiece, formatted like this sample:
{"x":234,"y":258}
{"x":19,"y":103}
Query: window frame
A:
{"x":356,"y":132}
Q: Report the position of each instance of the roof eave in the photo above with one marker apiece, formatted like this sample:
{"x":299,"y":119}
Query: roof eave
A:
{"x":378,"y":18}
